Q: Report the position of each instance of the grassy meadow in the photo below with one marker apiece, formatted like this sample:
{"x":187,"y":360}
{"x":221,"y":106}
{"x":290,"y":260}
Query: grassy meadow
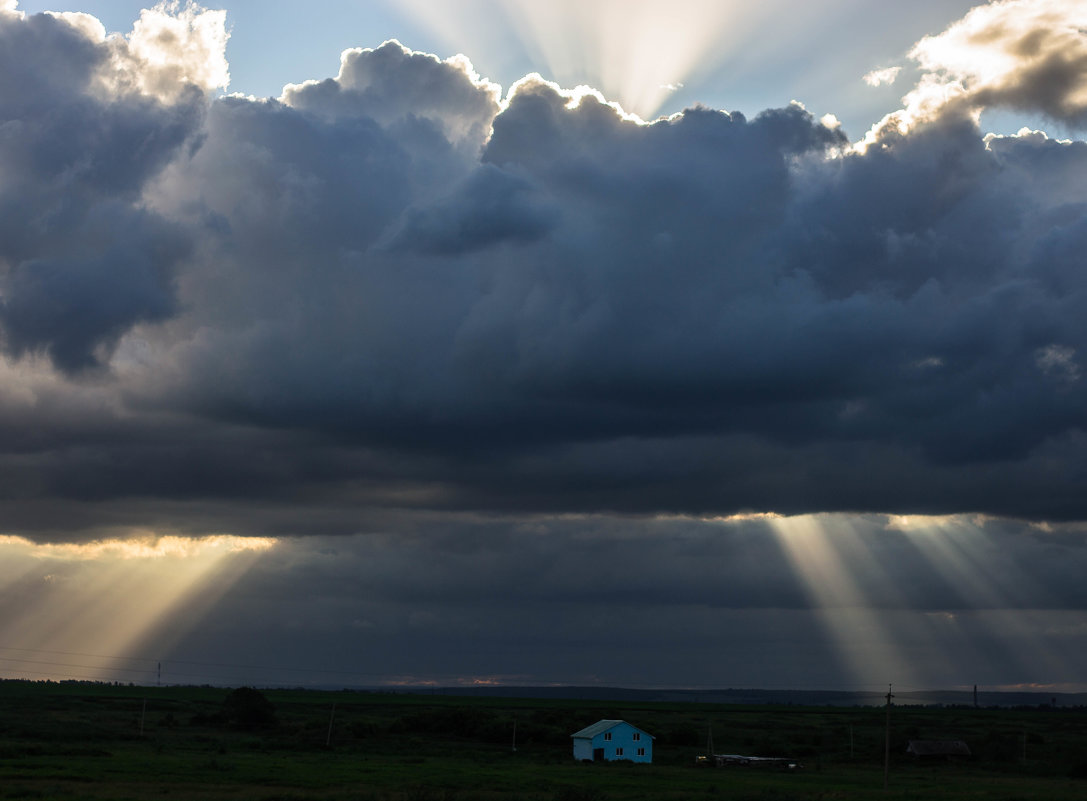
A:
{"x":99,"y":741}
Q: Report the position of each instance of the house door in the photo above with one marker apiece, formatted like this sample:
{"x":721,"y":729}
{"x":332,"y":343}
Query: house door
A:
{"x":598,"y":755}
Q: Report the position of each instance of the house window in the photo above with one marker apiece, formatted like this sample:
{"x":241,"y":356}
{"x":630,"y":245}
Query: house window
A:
{"x":641,"y":752}
{"x":618,"y":751}
{"x":607,"y":735}
{"x":637,"y":736}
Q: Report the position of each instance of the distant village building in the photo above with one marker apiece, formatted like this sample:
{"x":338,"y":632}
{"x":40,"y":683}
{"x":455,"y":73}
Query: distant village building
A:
{"x":611,"y":740}
{"x":938,"y":749}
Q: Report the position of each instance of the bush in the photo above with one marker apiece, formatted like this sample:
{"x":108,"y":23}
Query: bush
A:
{"x":248,"y":709}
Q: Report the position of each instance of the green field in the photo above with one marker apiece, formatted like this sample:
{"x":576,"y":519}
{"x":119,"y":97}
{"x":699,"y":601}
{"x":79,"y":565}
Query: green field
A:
{"x":84,"y":741}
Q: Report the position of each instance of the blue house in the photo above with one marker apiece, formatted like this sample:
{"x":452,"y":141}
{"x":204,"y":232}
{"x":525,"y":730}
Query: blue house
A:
{"x":612,"y":740}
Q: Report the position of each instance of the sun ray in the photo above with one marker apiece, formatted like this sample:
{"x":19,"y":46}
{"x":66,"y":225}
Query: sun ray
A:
{"x":107,"y":597}
{"x":636,"y":52}
{"x":817,"y":547}
{"x":1000,"y":602}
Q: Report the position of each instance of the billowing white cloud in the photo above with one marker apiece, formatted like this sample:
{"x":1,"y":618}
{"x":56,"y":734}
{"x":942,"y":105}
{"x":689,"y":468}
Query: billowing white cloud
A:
{"x":392,"y":83}
{"x":1027,"y":55}
{"x":887,"y":75}
{"x":172,"y":47}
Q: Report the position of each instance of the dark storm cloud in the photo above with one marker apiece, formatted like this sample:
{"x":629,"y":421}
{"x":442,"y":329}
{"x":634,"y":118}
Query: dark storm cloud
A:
{"x":469,"y":560}
{"x":389,"y":289}
{"x":492,"y":206}
{"x":80,"y":260}
{"x":72,"y":303}
{"x":493,"y":370}
{"x":664,"y":601}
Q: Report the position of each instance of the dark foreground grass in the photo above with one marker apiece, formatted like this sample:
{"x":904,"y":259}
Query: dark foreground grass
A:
{"x":82,"y":741}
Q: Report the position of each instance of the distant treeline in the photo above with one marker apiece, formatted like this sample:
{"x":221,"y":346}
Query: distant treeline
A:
{"x":936,"y":698}
{"x":923,"y":698}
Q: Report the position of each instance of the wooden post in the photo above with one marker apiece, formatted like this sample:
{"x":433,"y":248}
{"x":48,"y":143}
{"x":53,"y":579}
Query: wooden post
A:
{"x":887,"y":741}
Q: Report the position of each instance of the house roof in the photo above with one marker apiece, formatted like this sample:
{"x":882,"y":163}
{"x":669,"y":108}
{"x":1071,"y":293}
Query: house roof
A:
{"x":602,"y":726}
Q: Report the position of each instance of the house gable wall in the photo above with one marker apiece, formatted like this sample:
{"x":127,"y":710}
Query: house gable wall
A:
{"x":618,"y":742}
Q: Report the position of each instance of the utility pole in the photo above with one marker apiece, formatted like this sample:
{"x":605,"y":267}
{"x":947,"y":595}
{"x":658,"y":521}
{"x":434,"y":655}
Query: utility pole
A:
{"x":514,"y":743}
{"x":158,"y":679}
{"x":975,"y":696}
{"x":709,"y":743}
{"x":887,"y":741}
{"x":331,"y":717}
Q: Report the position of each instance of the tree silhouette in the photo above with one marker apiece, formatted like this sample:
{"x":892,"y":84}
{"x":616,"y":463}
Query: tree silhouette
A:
{"x":248,"y":709}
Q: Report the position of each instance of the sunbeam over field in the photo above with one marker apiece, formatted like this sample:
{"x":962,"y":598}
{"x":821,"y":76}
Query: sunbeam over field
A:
{"x":828,"y":557}
{"x":927,"y":598}
{"x":102,"y":599}
{"x":996,"y":598}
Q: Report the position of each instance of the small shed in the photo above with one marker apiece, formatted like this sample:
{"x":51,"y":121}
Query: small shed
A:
{"x":612,"y":740}
{"x":938,"y":749}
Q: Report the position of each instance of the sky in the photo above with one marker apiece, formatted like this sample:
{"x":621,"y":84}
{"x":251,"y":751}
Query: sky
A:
{"x":630,"y":344}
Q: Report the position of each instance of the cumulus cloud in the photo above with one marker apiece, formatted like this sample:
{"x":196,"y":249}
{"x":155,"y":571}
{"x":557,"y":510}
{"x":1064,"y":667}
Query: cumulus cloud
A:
{"x":173,"y":47}
{"x":1027,"y":55}
{"x":392,"y":85}
{"x":390,"y":288}
{"x":81,"y":259}
{"x":883,"y":76}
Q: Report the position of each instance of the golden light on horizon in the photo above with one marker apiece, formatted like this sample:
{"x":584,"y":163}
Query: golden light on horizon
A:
{"x":146,"y":546}
{"x":107,"y":596}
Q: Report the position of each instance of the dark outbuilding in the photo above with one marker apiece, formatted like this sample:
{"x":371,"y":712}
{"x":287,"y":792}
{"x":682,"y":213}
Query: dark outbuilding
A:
{"x":938,"y":749}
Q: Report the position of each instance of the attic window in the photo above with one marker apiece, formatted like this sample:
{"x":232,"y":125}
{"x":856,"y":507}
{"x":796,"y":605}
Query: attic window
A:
{"x":637,"y":735}
{"x":607,"y":735}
